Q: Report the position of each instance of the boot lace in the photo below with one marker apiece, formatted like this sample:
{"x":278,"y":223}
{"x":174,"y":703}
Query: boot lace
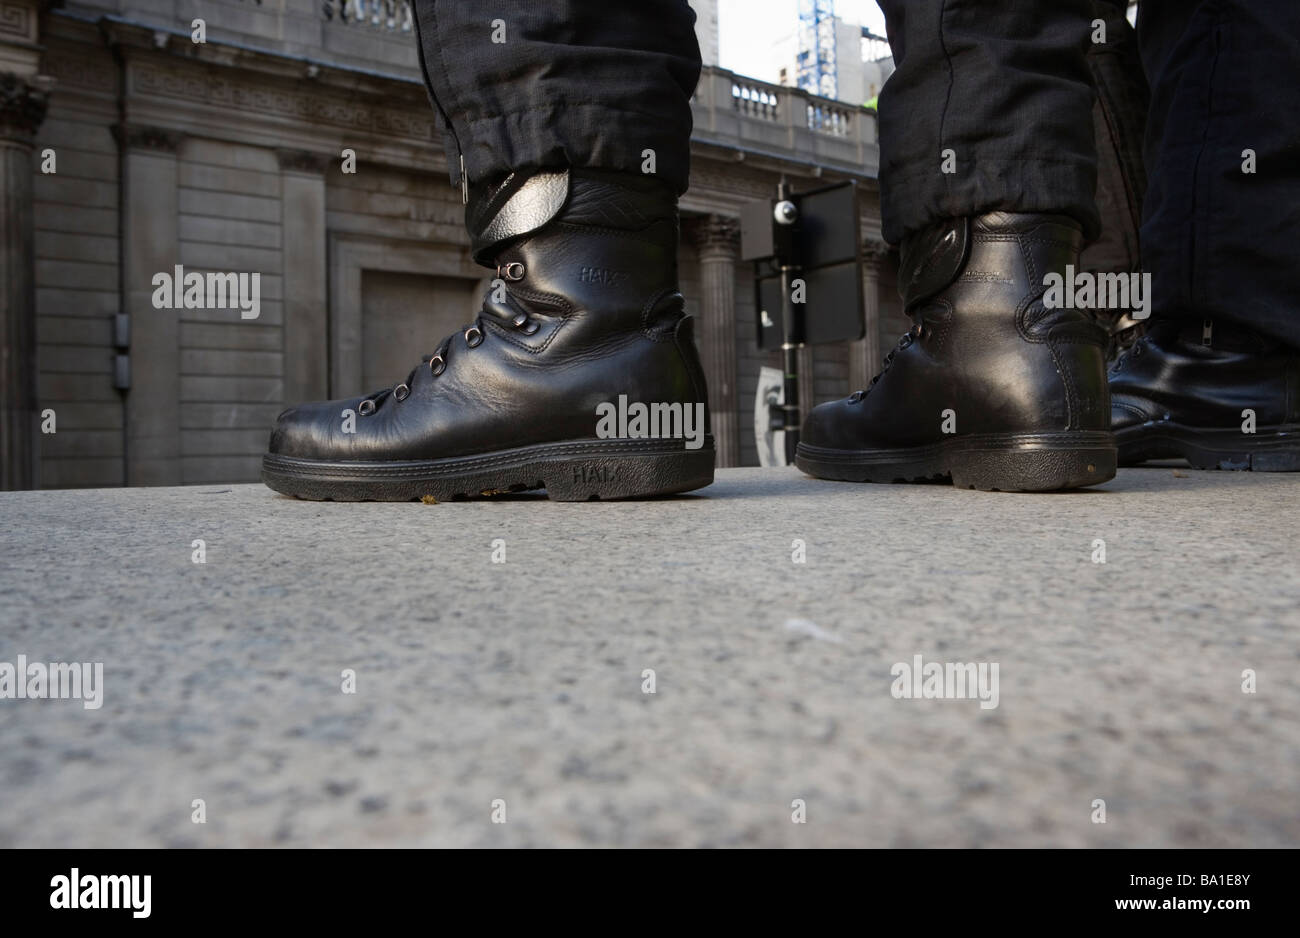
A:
{"x":473,"y":335}
{"x":916,"y":332}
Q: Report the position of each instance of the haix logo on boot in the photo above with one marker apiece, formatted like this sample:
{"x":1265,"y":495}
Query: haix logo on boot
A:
{"x":657,"y":421}
{"x":604,"y":276}
{"x":588,"y":474}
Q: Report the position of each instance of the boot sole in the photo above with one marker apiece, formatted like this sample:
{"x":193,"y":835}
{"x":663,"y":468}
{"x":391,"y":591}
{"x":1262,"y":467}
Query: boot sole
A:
{"x":1270,"y":449}
{"x":577,"y":471}
{"x":995,"y":462}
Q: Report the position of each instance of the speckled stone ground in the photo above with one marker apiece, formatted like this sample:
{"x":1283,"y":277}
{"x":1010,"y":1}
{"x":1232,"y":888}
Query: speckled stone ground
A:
{"x":523,"y":680}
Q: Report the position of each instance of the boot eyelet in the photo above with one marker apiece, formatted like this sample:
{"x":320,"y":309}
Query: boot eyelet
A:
{"x":437,"y":365}
{"x":473,"y":336}
{"x":366,"y":408}
{"x":530,"y":327}
{"x":512,"y":271}
{"x":402,"y":392}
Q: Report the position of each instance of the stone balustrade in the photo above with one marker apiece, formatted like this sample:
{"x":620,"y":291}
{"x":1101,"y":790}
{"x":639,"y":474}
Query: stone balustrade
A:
{"x":746,"y":114}
{"x":391,"y":15}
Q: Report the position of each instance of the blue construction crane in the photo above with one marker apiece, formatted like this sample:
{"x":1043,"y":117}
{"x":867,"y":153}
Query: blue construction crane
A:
{"x":816,"y":72}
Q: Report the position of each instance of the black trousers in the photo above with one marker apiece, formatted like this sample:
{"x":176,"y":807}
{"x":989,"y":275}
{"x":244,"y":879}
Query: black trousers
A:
{"x":552,"y":83}
{"x":990,"y":108}
{"x":1218,"y":241}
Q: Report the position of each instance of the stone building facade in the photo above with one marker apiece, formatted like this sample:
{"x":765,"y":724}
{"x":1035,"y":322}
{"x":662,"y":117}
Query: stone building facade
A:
{"x":127,"y":148}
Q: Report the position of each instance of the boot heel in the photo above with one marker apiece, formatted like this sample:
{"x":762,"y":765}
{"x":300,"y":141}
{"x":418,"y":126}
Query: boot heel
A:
{"x":622,"y":475}
{"x":1030,"y":467}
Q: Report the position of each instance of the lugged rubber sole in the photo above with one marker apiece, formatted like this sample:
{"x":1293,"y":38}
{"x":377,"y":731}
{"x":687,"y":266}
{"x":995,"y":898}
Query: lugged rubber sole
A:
{"x":575,"y":471}
{"x":996,"y":462}
{"x":1269,"y":449}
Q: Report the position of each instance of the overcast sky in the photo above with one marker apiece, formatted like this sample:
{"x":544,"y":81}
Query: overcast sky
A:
{"x":748,"y":28}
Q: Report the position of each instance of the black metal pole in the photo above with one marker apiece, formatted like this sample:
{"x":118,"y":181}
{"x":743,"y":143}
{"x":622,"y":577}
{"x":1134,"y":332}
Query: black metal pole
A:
{"x":790,"y":357}
{"x":791,"y":339}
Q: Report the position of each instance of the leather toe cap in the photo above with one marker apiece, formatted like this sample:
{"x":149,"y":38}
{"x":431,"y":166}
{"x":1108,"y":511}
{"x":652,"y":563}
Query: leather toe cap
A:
{"x":313,"y":431}
{"x":833,"y":425}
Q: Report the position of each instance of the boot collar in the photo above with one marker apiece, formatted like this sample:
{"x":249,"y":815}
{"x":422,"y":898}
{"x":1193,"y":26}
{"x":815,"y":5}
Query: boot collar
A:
{"x":518,"y":205}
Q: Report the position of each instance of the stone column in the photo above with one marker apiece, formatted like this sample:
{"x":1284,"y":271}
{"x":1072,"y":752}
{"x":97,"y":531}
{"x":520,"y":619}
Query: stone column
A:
{"x":150,"y":245}
{"x":865,"y":354}
{"x":717,"y":239}
{"x":306,"y":310}
{"x":22,"y":109}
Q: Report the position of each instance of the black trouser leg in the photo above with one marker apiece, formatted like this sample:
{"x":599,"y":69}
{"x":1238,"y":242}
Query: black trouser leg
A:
{"x":1006,"y":88}
{"x":1220,"y":242}
{"x":1119,"y":124}
{"x":554,"y":83}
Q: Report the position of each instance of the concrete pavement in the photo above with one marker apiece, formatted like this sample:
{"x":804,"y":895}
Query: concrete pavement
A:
{"x":519,"y":688}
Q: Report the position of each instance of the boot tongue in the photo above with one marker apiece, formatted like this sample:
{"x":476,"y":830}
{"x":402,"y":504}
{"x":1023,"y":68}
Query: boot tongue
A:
{"x":518,"y":205}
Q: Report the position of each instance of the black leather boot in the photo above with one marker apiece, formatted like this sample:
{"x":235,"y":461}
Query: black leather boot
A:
{"x":1218,"y":395}
{"x":583,"y":318}
{"x":989,"y":389}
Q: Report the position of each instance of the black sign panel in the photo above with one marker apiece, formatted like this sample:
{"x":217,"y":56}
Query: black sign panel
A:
{"x":824,"y":246}
{"x":832,"y":307}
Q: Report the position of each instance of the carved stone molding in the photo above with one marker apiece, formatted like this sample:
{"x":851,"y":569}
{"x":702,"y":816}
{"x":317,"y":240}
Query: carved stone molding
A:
{"x":302,"y":161}
{"x":711,"y":175}
{"x":141,"y":137}
{"x":22,"y":107}
{"x":715,"y":233}
{"x":226,"y":91}
{"x":18,"y":21}
{"x":89,"y":72}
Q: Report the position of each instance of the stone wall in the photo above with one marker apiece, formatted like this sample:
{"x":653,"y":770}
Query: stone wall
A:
{"x":76,"y":221}
{"x":227,"y":156}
